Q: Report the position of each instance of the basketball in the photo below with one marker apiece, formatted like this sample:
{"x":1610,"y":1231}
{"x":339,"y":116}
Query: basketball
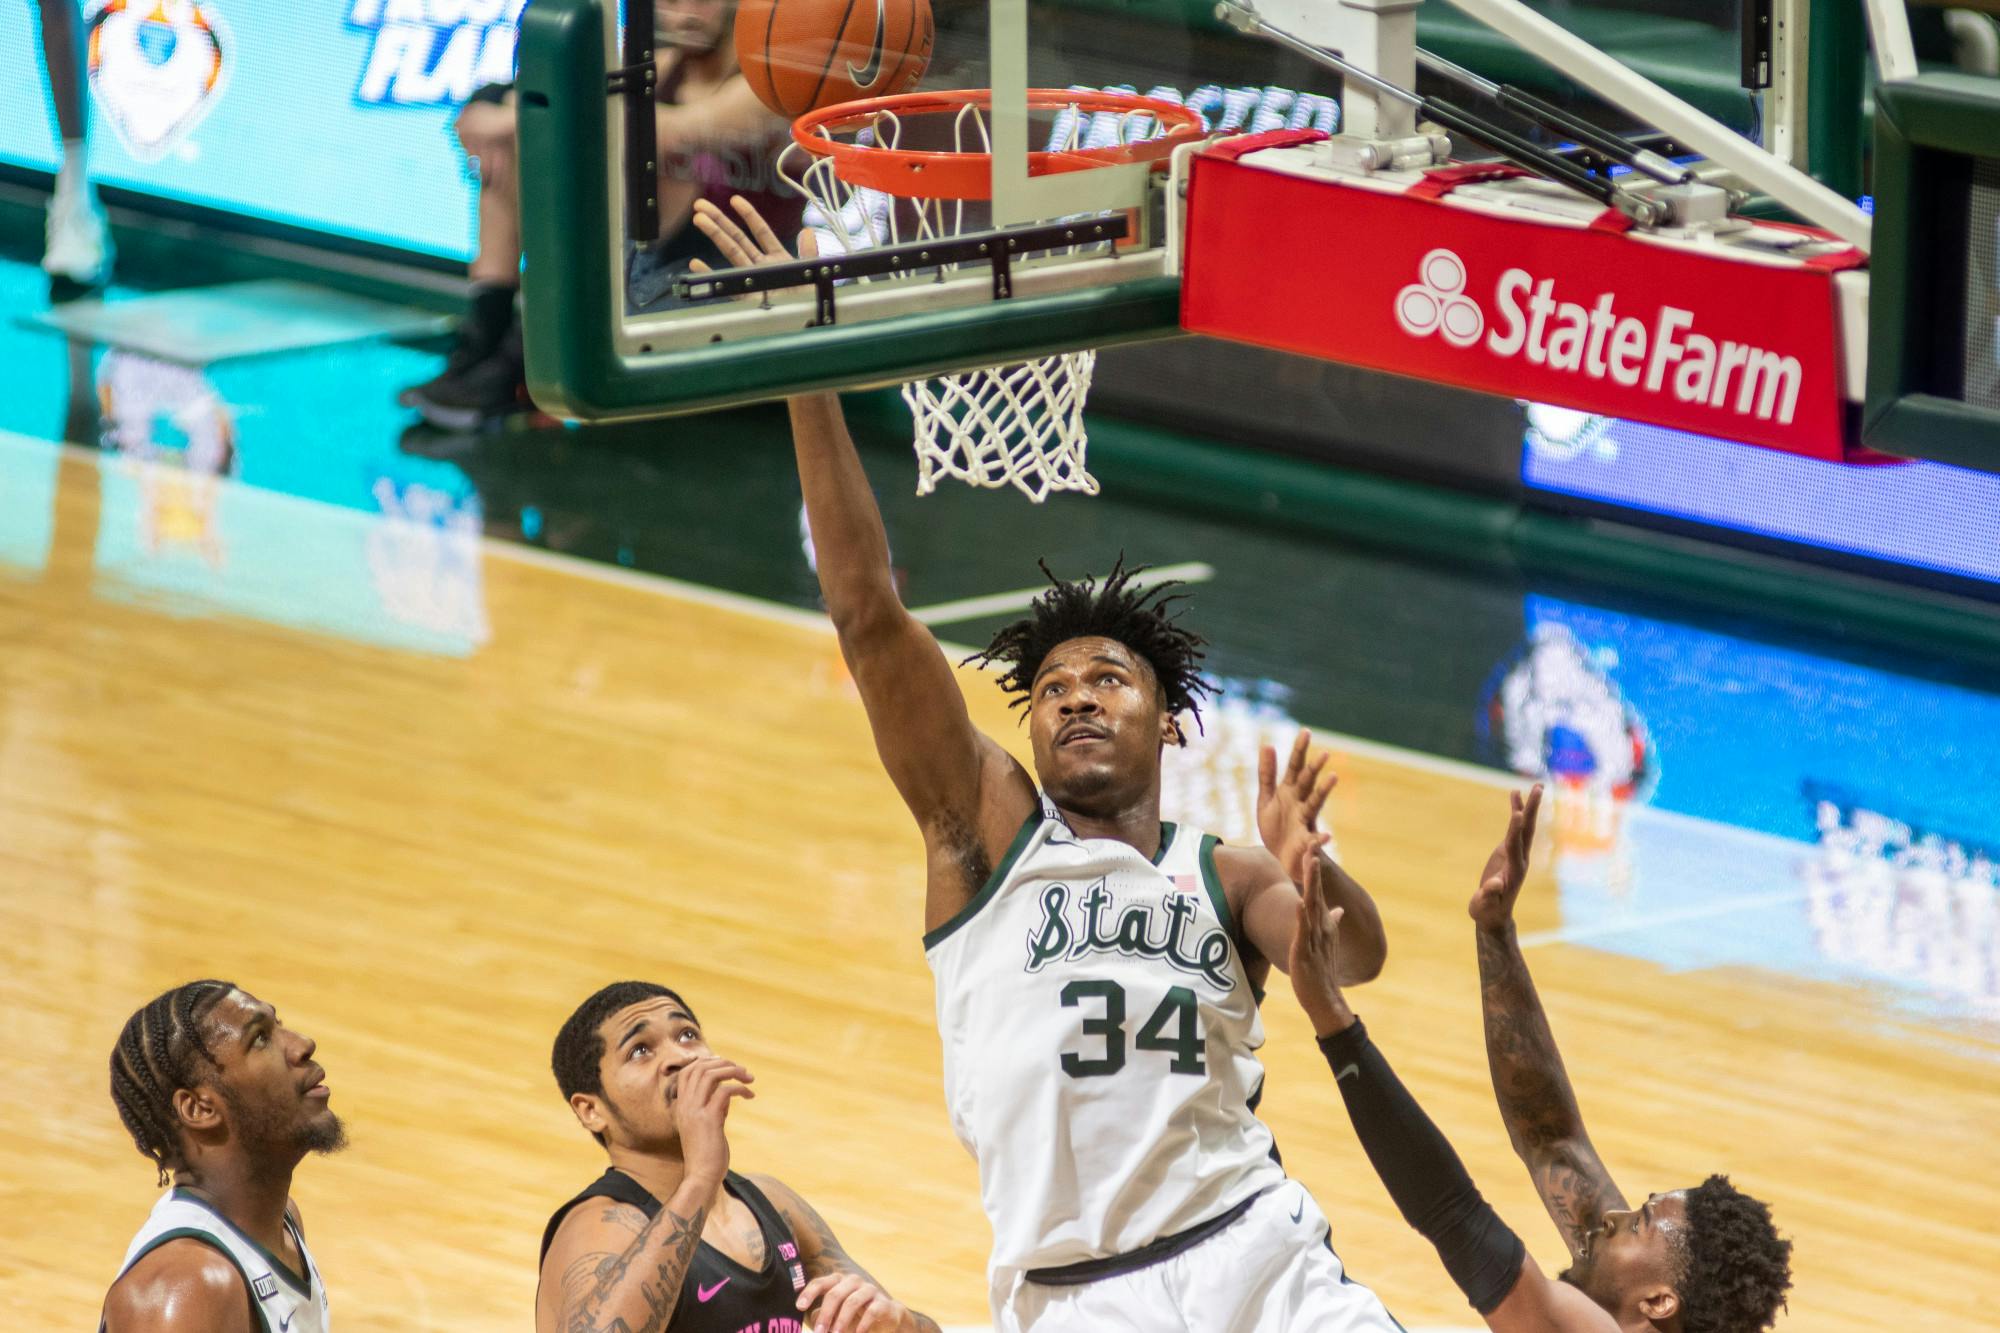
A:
{"x":800,"y":55}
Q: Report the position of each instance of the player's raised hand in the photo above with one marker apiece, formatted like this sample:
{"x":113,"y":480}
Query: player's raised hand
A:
{"x":852,"y":1303}
{"x":698,"y":1095}
{"x":745,"y":239}
{"x":1492,"y":905}
{"x":1315,"y":960}
{"x":1288,"y":805}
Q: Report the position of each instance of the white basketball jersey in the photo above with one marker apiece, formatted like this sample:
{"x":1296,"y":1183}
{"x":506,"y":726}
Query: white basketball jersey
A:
{"x":1099,"y":1035}
{"x":284,"y":1305}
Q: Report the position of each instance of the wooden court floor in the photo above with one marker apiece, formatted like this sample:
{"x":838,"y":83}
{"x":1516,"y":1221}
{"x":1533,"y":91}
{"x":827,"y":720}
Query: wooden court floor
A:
{"x":426,"y":861}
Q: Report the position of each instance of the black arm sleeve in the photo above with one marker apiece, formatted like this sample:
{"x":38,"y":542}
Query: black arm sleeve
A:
{"x":1423,"y":1173}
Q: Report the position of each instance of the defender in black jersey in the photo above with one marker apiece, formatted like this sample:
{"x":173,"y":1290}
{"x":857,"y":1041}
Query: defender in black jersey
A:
{"x":1691,"y":1259}
{"x":669,"y":1238}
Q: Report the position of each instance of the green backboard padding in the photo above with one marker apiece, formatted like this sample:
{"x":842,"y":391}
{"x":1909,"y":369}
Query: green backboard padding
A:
{"x":1924,"y":128}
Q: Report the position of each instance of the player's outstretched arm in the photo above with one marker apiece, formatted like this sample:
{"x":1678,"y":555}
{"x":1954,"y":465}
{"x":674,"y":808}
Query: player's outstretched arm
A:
{"x":1288,"y":809}
{"x":1529,"y":1080}
{"x":841,"y":1295}
{"x":1417,"y":1164}
{"x":968,"y":795}
{"x":610,"y":1270}
{"x":184,"y":1286}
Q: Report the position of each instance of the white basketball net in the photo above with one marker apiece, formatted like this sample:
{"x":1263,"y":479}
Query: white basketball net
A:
{"x":1019,"y":425}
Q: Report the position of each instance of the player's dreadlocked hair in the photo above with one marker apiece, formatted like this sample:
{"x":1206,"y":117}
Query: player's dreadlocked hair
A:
{"x":1139,"y":618}
{"x":579,"y":1049}
{"x":160,"y":1052}
{"x":1736,"y":1269}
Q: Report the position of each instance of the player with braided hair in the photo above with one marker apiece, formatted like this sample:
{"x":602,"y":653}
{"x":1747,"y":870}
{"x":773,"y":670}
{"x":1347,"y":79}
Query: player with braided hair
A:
{"x":224,"y":1100}
{"x":1700,"y":1260}
{"x":1098,"y":969}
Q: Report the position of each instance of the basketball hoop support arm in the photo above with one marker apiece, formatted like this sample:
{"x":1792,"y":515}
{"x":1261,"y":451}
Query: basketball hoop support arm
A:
{"x":1628,"y":90}
{"x":1377,"y":35}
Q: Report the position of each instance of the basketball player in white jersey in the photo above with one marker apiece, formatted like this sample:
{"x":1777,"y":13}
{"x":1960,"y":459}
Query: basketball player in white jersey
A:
{"x":1699,"y":1260}
{"x":1097,"y":969}
{"x":225,"y":1101}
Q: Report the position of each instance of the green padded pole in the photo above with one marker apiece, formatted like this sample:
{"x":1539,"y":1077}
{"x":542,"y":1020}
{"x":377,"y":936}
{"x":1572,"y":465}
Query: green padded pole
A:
{"x":1836,"y":83}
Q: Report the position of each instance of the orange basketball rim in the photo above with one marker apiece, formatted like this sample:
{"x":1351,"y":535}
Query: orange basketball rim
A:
{"x":836,"y":133}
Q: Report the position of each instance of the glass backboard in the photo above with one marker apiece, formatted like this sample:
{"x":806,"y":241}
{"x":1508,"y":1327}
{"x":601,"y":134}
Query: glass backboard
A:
{"x":1045,"y":232}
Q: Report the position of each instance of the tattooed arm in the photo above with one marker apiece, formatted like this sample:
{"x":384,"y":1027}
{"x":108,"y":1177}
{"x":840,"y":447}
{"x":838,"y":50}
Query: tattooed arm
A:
{"x":842,"y":1296}
{"x":1536,"y":1100}
{"x":612,"y":1271}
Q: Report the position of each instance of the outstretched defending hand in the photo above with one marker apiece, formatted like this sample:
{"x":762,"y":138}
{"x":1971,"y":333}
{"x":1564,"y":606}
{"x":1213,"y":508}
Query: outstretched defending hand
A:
{"x":1315,"y":961}
{"x":1288,"y":808}
{"x":1500,"y":883}
{"x":698,"y":1096}
{"x":745,"y":239}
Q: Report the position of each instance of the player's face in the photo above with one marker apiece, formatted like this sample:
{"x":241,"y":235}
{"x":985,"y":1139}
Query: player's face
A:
{"x":1097,"y":722}
{"x":694,"y":26}
{"x":1631,"y":1253}
{"x":277,"y":1101}
{"x":646,"y":1045}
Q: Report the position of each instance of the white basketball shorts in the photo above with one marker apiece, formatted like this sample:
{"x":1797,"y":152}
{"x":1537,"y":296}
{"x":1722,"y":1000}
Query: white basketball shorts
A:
{"x":1269,"y":1271}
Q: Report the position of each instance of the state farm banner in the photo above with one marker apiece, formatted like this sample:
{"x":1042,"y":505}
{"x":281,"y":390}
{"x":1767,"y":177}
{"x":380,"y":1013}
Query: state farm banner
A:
{"x":1588,"y":319}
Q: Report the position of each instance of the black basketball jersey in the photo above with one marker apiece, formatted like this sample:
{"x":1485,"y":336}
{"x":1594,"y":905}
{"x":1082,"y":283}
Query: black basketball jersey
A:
{"x":718,"y":1295}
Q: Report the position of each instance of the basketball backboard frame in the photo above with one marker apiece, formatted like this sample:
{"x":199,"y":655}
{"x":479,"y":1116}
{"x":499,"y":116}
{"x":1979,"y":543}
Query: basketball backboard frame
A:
{"x":587,"y":361}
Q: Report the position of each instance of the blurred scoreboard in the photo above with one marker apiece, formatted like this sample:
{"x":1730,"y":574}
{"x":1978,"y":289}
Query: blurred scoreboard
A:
{"x":333,"y":116}
{"x":1918,"y":515}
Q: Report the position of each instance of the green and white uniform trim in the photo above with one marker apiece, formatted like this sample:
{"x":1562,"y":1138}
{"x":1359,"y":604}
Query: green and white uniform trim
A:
{"x":285,"y":1301}
{"x":1099,"y":1039}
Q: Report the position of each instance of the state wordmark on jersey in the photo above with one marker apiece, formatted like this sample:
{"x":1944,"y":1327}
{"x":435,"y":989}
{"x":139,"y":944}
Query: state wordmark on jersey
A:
{"x":1075,"y":926}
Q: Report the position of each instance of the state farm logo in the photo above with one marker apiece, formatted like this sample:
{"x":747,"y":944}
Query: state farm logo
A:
{"x":1598,"y":341}
{"x":1436,"y":302}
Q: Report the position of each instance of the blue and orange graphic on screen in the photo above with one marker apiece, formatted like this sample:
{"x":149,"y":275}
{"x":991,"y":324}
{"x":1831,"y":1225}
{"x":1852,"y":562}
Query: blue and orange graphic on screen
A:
{"x":334,"y":116}
{"x":156,"y":68}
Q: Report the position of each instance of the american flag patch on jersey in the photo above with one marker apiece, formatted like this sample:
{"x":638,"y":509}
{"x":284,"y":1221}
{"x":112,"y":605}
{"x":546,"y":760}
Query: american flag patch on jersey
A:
{"x":790,"y":1253}
{"x":1185,"y":883}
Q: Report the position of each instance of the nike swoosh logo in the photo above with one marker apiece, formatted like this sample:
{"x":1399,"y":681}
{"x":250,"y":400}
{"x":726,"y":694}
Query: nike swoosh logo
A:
{"x":864,"y":76}
{"x":1300,"y":1211}
{"x":1347,"y":1071}
{"x":703,"y":1294}
{"x":286,"y":1322}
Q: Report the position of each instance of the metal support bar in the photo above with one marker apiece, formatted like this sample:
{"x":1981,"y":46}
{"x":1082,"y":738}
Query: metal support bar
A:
{"x":1529,"y":156}
{"x":634,"y":82}
{"x":1378,"y":35}
{"x":1889,"y":35}
{"x":1787,"y":107}
{"x":1632,"y":92}
{"x":1756,"y":44}
{"x":998,"y":248}
{"x":1612,"y":147}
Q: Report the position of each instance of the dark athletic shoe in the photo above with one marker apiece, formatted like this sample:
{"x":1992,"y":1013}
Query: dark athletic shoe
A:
{"x":484,"y":327}
{"x":496,"y":385}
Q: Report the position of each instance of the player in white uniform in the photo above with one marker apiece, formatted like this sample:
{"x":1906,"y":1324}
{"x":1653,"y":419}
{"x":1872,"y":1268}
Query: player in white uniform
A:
{"x":224,"y":1100}
{"x":1095,"y":968}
